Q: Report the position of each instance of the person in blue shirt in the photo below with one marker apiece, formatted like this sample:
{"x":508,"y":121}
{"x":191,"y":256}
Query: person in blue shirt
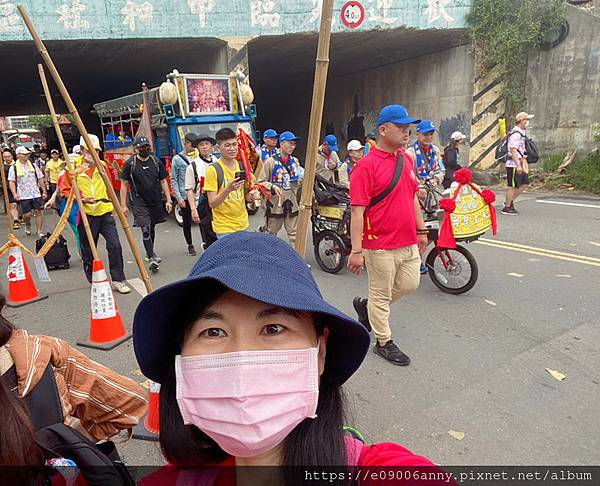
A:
{"x":269,"y":147}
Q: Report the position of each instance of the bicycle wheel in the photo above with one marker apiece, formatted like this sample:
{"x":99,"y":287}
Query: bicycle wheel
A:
{"x":452,"y":271}
{"x":178,"y":215}
{"x":330,"y":251}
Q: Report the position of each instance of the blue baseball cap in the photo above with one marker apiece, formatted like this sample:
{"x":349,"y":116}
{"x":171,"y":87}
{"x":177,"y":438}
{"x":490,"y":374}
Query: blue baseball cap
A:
{"x":270,"y":133}
{"x":426,"y":126}
{"x":288,"y":137}
{"x":332,"y":142}
{"x":396,"y":114}
{"x":257,"y":265}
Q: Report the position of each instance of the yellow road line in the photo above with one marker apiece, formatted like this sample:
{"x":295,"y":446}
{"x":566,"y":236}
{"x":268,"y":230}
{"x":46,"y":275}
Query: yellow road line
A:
{"x":532,"y":252}
{"x":552,"y":252}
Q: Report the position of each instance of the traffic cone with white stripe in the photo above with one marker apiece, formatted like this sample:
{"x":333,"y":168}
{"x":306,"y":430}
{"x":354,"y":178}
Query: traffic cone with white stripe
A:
{"x":106,"y":326}
{"x":21,"y":289}
{"x":148,"y":429}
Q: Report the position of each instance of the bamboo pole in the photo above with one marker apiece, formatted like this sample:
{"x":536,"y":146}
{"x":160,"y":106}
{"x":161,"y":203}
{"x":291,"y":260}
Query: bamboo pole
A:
{"x":88,"y":142}
{"x":314,"y":130}
{"x":70,"y":167}
{"x":5,"y":189}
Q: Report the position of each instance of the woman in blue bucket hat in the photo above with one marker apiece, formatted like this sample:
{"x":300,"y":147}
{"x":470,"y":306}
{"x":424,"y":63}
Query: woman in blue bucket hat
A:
{"x":251,"y":362}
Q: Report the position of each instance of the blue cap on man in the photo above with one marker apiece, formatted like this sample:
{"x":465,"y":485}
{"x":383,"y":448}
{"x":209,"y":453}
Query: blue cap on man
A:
{"x":270,"y":133}
{"x":395,"y":114}
{"x":331,"y":141}
{"x":426,"y":126}
{"x":288,"y":137}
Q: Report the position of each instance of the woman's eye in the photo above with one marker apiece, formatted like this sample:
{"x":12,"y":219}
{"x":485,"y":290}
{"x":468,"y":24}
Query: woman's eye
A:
{"x":213,"y":332}
{"x":272,"y":329}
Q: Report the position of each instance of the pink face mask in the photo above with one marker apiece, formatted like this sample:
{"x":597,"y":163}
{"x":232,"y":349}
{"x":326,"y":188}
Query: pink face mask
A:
{"x":248,"y":401}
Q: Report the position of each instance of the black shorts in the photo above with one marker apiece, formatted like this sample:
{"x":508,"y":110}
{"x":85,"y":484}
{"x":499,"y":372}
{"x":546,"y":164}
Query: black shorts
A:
{"x":27,"y":205}
{"x":514,"y":179}
{"x":147,"y":215}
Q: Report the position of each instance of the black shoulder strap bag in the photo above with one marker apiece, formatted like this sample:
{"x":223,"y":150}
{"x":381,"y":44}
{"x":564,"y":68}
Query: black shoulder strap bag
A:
{"x":393,"y":183}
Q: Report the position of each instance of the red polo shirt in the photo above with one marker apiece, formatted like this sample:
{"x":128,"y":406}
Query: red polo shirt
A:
{"x":391,"y":223}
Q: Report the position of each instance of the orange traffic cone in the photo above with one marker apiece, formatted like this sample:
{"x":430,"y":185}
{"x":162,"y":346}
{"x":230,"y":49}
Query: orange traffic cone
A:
{"x":106,"y":326}
{"x":149,"y":427}
{"x":21,"y":289}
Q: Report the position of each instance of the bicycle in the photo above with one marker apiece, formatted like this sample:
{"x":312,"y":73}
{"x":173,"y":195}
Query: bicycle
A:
{"x":453,"y":271}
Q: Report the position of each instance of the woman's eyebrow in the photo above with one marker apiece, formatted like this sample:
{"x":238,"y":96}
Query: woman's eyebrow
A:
{"x":278,"y":311}
{"x":210,"y":314}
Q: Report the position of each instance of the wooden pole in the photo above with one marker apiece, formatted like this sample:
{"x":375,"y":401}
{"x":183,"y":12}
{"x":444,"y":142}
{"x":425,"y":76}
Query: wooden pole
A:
{"x":5,"y":189}
{"x":70,"y":167}
{"x":314,"y":129}
{"x":88,"y":142}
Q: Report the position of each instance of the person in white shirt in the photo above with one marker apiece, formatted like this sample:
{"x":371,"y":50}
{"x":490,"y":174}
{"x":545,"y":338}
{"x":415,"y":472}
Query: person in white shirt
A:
{"x":194,"y":186}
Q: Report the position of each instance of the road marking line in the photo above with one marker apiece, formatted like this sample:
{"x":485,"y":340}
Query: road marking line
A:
{"x":579,"y":205}
{"x":491,"y":302}
{"x":519,"y":275}
{"x":535,"y":248}
{"x":563,"y":276}
{"x":547,"y":255}
{"x":138,"y":286}
{"x":594,"y":243}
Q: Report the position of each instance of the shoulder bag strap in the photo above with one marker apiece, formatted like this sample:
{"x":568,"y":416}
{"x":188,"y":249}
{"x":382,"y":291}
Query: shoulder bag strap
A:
{"x":393,"y":183}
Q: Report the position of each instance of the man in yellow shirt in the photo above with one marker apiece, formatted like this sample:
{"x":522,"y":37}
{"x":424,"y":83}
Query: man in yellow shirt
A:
{"x":98,"y":209}
{"x":225,"y":187}
{"x":53,"y":169}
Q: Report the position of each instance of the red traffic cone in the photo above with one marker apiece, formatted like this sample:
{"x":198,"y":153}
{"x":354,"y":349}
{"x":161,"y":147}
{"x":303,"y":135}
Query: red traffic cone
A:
{"x":106,"y":326}
{"x":21,"y":289}
{"x":148,"y":429}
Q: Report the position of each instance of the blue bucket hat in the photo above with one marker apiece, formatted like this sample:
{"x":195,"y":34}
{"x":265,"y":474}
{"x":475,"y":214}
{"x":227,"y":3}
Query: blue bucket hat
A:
{"x":288,"y":137}
{"x":270,"y":133}
{"x":426,"y":126}
{"x":397,"y":114}
{"x":259,"y":266}
{"x":332,"y":142}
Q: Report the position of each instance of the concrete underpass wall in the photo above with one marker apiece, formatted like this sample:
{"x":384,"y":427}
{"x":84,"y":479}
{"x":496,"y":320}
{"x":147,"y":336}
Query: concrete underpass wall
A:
{"x":563,"y":87}
{"x":437,"y":86}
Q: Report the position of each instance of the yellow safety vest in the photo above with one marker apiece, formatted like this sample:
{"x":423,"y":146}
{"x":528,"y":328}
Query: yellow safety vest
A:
{"x":94,"y":187}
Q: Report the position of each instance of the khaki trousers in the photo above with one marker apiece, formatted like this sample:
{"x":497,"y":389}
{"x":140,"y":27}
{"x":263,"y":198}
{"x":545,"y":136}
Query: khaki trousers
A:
{"x":392,"y":274}
{"x":291,"y":223}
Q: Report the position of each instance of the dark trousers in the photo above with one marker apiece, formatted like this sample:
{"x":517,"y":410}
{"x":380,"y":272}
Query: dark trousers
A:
{"x":206,"y":230}
{"x":102,"y":225}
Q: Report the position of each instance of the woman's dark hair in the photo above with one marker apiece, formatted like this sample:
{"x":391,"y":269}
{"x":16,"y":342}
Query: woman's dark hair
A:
{"x":17,"y":440}
{"x":314,"y":442}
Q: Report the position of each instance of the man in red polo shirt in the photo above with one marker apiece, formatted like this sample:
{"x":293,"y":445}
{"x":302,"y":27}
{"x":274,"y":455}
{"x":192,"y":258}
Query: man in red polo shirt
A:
{"x":386,"y":233}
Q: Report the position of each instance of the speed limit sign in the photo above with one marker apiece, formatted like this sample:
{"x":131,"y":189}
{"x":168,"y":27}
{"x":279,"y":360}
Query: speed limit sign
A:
{"x":353,"y":14}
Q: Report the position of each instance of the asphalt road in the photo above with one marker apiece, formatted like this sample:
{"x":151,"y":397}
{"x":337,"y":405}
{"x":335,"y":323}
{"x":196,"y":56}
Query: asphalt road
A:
{"x":478,"y":360}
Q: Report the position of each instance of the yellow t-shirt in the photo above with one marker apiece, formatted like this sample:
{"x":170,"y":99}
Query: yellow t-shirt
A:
{"x":53,"y":169}
{"x":231,"y":215}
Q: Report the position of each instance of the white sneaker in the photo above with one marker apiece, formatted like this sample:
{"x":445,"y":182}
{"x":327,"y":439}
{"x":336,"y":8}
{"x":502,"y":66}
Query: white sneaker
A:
{"x":121,"y":287}
{"x":27,"y":230}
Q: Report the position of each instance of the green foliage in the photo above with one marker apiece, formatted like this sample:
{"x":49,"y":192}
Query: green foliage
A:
{"x":504,"y":31}
{"x":596,"y":133}
{"x":551,"y":162}
{"x":45,"y":121}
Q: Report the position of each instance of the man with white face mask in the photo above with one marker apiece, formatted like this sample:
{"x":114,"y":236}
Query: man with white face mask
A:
{"x":98,"y":209}
{"x":517,"y":168}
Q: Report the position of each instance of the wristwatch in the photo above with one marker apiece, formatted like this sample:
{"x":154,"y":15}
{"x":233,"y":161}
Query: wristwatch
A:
{"x":357,"y":252}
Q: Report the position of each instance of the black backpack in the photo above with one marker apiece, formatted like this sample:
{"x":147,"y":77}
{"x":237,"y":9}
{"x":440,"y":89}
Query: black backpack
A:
{"x":99,"y":464}
{"x":58,"y":256}
{"x":531,"y":149}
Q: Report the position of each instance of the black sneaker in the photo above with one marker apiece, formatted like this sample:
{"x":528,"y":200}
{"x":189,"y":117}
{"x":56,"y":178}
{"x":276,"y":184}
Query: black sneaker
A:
{"x":512,"y":208}
{"x":509,"y":211}
{"x":191,"y":250}
{"x":391,"y":353}
{"x":360,"y":306}
{"x":154,"y":266}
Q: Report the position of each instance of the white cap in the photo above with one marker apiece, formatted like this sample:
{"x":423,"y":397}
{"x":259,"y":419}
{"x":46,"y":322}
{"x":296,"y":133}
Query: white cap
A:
{"x":95,"y":142}
{"x":22,"y":150}
{"x":77,"y":149}
{"x":354,"y":145}
{"x":458,"y":136}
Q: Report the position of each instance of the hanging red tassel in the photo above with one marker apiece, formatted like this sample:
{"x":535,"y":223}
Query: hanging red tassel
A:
{"x":490,"y":198}
{"x":446,"y":233}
